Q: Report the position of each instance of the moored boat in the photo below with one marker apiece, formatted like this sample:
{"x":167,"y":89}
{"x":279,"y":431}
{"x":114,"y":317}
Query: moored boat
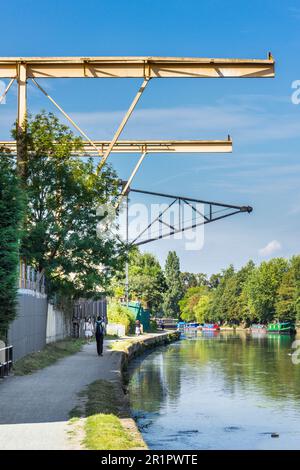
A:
{"x":192,"y":326}
{"x":282,"y":328}
{"x":181,"y":326}
{"x":210,"y":327}
{"x":258,"y":328}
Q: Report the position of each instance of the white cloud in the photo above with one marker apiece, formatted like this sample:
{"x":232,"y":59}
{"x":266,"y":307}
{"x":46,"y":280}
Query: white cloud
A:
{"x":245,"y":125}
{"x":295,"y":209}
{"x":248,"y":118}
{"x":270,"y":248}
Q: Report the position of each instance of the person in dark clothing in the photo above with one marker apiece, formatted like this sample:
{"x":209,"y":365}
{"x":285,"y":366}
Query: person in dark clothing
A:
{"x":100,"y":329}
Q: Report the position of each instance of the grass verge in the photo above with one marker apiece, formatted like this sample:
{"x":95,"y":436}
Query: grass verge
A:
{"x":106,"y":432}
{"x":100,"y":396}
{"x":105,"y":417}
{"x":123,"y":345}
{"x":47,"y":356}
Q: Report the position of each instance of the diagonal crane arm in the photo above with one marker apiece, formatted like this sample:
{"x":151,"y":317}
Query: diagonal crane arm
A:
{"x":214,"y":211}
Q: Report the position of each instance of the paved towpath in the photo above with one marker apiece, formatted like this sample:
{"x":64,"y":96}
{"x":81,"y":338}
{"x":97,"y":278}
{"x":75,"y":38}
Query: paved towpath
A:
{"x":34,"y":409}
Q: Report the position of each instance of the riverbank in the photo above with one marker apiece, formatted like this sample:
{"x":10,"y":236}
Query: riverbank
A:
{"x":107,"y":424}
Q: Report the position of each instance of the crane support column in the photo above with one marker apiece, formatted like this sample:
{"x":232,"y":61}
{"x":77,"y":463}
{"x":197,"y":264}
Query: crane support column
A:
{"x":21,"y":118}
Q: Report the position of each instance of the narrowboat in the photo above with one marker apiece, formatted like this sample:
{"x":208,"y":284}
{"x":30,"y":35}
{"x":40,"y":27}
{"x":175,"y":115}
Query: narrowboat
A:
{"x":192,"y":326}
{"x":210,"y":327}
{"x":181,"y":326}
{"x":287,"y":327}
{"x":258,"y":328}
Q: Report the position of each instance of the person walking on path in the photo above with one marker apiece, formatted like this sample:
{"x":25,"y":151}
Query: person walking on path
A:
{"x":138,"y":328}
{"x":88,"y":329}
{"x":100,"y":329}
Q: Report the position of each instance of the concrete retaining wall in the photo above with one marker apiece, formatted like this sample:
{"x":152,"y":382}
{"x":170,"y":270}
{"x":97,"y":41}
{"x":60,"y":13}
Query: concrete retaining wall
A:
{"x":58,"y":325}
{"x":142,"y":344}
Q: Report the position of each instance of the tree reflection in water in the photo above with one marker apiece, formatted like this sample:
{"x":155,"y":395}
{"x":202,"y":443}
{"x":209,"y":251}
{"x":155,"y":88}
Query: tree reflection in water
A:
{"x":240,"y":370}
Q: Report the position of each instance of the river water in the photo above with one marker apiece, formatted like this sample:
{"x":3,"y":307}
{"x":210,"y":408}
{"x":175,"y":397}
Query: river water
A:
{"x":219,"y":390}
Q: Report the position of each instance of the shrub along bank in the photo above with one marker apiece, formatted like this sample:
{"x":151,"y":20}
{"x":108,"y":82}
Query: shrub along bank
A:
{"x":117,"y":313}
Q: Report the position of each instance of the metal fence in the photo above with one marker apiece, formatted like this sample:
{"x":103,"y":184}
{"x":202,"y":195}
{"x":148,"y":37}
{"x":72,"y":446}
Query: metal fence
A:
{"x":6,"y":361}
{"x":27,"y":333}
{"x":84,"y":309}
{"x":90,"y":308}
{"x":30,"y":278}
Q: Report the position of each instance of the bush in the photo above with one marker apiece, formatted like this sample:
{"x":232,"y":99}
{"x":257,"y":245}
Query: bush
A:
{"x":117,"y":313}
{"x":153,"y":326}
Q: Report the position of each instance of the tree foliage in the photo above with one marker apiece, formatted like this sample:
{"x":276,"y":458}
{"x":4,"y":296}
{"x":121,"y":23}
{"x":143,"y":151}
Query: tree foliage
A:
{"x":190,"y":301}
{"x":202,"y":308}
{"x":174,"y":291}
{"x":63,"y":194}
{"x":146,"y":280}
{"x":216,"y":309}
{"x":11,"y":209}
{"x":117,"y":313}
{"x":193,"y":280}
{"x":261,"y":289}
{"x":251,"y":295}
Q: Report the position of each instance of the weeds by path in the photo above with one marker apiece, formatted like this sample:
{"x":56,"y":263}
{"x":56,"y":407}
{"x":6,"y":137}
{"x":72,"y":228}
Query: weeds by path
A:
{"x":105,"y":419}
{"x":47,"y":356}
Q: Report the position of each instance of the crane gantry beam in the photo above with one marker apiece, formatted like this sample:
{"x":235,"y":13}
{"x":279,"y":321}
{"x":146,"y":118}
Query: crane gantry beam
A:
{"x":146,"y":68}
{"x":136,"y":67}
{"x":140,"y":146}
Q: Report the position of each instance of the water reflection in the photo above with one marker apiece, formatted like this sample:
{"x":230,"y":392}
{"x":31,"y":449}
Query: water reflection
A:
{"x":220,"y":390}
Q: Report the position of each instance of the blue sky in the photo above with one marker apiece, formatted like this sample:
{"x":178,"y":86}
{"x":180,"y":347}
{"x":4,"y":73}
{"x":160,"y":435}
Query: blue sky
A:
{"x":264,"y":168}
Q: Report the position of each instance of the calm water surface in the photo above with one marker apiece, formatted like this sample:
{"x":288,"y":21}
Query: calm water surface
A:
{"x":226,"y":391}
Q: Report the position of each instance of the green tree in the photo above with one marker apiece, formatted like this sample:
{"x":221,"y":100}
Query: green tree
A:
{"x":190,"y":301}
{"x":188,"y":280}
{"x":288,"y":295}
{"x":241,"y":307}
{"x":117,"y":313}
{"x":285,"y":306}
{"x":193,"y":280}
{"x":216,"y":310}
{"x":174,"y":291}
{"x":11,"y":210}
{"x":295,"y":266}
{"x":233,"y":305}
{"x":214,"y":280}
{"x":261,"y":289}
{"x":202,"y":308}
{"x":63,"y":194}
{"x":202,"y":279}
{"x":146,"y":280}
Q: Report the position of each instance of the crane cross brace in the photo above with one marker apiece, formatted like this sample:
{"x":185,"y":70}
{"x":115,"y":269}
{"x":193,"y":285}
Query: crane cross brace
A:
{"x":162,"y":227}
